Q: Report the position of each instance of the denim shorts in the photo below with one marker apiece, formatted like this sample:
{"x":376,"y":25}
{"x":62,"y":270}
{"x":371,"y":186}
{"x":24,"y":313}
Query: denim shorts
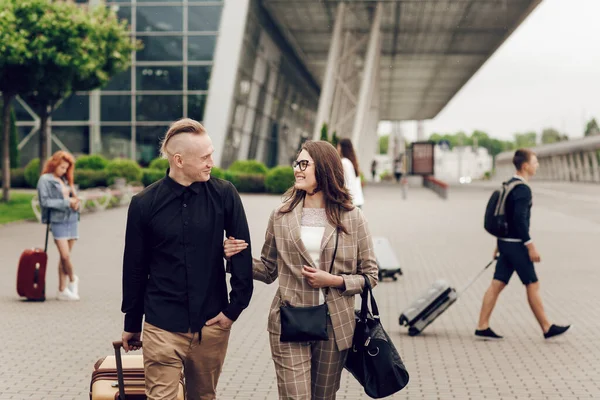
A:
{"x":66,"y":230}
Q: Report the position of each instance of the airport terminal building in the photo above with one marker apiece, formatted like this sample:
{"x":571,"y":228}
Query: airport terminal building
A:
{"x":264,"y":75}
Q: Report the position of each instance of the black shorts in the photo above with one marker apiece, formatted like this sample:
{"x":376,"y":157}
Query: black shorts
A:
{"x":514,"y":257}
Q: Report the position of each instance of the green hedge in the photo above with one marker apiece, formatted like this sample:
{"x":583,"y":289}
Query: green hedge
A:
{"x":279,"y":179}
{"x":249,"y":167}
{"x":247,"y":183}
{"x":17,"y":178}
{"x":123,"y":168}
{"x":159,"y":163}
{"x":92,"y":162}
{"x":151,"y":175}
{"x":32,"y":172}
{"x":89,"y":178}
{"x":217,"y":172}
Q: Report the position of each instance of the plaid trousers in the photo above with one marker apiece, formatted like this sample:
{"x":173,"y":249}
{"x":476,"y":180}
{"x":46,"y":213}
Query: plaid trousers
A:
{"x":308,"y":371}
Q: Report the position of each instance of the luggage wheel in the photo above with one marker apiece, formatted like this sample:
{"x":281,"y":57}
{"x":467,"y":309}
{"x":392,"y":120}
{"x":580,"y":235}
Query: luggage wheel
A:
{"x":413,"y":331}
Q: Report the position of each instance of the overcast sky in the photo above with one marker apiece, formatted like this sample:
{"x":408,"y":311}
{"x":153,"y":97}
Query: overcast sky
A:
{"x":547,"y":74}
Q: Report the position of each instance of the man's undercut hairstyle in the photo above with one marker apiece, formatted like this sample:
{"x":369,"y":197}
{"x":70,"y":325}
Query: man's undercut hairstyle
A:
{"x":521,"y":157}
{"x":185,"y":125}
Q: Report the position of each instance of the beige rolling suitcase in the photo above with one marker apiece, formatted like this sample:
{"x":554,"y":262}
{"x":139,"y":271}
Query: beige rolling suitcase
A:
{"x":122,"y":377}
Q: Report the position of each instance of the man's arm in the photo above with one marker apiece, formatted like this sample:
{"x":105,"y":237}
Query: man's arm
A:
{"x":241,"y":282}
{"x":135,"y":269}
{"x":521,"y":199}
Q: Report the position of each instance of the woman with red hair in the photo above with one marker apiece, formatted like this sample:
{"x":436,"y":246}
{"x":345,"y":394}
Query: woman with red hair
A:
{"x":60,"y":209}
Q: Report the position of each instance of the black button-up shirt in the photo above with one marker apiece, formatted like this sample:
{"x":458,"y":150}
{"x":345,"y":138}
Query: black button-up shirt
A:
{"x":173,"y":268}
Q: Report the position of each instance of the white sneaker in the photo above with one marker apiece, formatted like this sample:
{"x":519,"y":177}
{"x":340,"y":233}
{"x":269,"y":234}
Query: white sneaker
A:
{"x":74,"y":286}
{"x":67,"y":295}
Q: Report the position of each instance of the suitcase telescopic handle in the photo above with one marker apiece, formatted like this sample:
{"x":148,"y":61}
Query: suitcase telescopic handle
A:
{"x":121,"y":381}
{"x":475,"y":278}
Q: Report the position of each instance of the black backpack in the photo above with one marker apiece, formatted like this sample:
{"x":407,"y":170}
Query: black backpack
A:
{"x":495,"y":222}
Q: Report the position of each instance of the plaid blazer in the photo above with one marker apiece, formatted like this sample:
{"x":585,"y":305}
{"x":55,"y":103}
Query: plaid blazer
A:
{"x":284,"y":254}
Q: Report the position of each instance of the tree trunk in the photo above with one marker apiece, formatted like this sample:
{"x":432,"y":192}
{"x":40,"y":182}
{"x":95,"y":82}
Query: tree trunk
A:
{"x":6,"y":98}
{"x":44,"y":137}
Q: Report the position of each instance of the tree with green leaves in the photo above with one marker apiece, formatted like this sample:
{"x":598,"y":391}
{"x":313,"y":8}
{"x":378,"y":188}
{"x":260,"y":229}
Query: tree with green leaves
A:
{"x":384,"y":143}
{"x":13,"y":140}
{"x":324,"y":133}
{"x":335,"y":139}
{"x":592,"y":128}
{"x":551,"y":135}
{"x":14,"y":54}
{"x":81,"y":50}
{"x":525,"y":140}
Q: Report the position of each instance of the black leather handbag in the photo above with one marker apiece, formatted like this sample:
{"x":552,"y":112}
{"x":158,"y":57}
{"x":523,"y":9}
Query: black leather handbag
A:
{"x":305,"y":324}
{"x":373,"y":360}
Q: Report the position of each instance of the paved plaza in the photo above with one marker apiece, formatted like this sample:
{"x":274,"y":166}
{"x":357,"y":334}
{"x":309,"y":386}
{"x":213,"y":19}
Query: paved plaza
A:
{"x":48,"y":350}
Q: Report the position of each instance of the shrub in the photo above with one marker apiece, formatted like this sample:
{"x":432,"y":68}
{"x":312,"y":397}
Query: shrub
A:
{"x":17,"y":178}
{"x":247,"y":183}
{"x":217,"y":172}
{"x":386,"y":176}
{"x":89,"y":178}
{"x":123,"y":168}
{"x":32,"y":172}
{"x":159,"y":163}
{"x":151,"y":175}
{"x":279,"y":179}
{"x":91,"y":162}
{"x":249,"y":167}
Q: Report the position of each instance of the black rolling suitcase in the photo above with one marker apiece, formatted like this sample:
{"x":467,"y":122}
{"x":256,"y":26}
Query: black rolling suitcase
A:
{"x":431,"y":304}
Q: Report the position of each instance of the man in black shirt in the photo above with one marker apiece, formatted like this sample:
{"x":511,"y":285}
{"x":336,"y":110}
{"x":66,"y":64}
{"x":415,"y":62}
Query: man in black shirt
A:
{"x":517,"y":252}
{"x":173,"y":272}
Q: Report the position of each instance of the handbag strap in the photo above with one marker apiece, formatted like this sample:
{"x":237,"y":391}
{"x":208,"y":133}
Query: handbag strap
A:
{"x":364,"y":308}
{"x":337,"y":234}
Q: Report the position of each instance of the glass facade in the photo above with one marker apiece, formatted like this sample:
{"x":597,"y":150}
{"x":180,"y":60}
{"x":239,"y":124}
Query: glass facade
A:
{"x":275,"y":101}
{"x":168,"y":80}
{"x":272,"y":110}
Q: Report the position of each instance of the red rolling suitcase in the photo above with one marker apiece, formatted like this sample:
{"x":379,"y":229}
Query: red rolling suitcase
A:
{"x":31,"y":274}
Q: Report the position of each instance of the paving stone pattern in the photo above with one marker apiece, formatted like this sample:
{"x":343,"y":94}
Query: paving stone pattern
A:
{"x":48,"y":349}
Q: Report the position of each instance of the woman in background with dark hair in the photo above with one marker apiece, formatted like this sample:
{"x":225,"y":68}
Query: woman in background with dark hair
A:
{"x":60,"y":209}
{"x":351,"y":172}
{"x":319,"y":246}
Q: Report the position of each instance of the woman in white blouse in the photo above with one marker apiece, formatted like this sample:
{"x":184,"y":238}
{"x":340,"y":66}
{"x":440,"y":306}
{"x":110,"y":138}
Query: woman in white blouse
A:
{"x":351,"y":172}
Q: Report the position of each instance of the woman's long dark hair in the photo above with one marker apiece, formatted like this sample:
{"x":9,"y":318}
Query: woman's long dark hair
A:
{"x":329,"y":174}
{"x":347,"y":151}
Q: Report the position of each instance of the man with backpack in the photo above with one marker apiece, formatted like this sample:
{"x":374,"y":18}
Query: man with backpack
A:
{"x":508,"y":218}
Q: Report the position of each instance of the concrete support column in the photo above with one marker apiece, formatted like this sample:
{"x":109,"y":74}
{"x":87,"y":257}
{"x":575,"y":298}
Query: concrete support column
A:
{"x":543,"y":169}
{"x":371,"y":64}
{"x":566,"y":168}
{"x":555,"y":170}
{"x":587,"y":171}
{"x":579,"y":167}
{"x":344,"y":68}
{"x":572,"y":168}
{"x":95,"y":138}
{"x":557,"y":174}
{"x":228,"y":50}
{"x":594,"y":163}
{"x":329,"y":80}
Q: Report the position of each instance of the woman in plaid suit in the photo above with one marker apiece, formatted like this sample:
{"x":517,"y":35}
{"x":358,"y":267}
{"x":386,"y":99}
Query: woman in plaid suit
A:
{"x":298,"y":249}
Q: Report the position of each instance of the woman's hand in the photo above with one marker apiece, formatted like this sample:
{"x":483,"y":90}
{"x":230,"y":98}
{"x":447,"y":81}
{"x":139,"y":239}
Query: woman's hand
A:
{"x":320,"y":279}
{"x":232,"y":246}
{"x":74,"y":203}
